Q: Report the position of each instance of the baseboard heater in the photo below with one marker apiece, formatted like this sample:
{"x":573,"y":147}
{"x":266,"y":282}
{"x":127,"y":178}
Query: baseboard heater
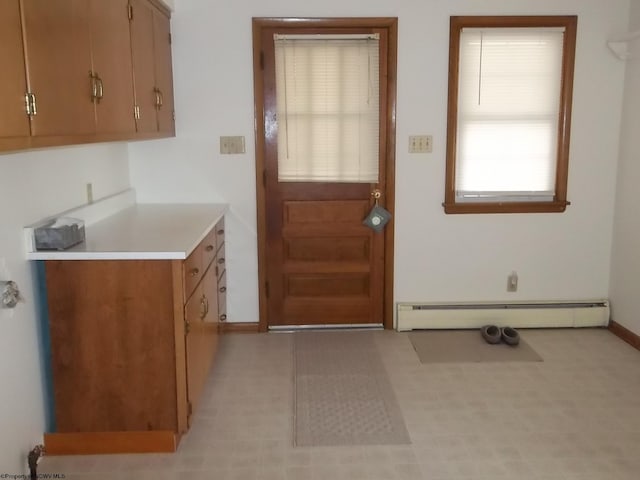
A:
{"x":415,"y":316}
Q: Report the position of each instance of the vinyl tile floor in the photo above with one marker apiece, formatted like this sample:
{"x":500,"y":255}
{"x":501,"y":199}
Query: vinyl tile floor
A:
{"x":575,"y":416}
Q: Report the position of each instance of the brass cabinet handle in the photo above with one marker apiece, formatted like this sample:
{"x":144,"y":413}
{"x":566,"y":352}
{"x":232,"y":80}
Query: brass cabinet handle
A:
{"x":209,"y":248}
{"x":221,"y":260}
{"x":223,"y":289}
{"x":194,"y":272}
{"x":157,"y":94}
{"x":223,"y":317}
{"x":100,"y":87}
{"x":203,"y":307}
{"x":159,"y":98}
{"x":94,"y":86}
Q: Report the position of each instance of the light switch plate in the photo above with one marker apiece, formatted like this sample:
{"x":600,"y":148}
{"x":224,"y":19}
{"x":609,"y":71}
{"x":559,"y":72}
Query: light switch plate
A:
{"x":232,"y":145}
{"x":420,"y":144}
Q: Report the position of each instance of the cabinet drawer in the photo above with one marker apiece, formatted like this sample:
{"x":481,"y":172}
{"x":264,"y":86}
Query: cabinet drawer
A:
{"x":209,"y":248}
{"x":193,"y":271}
{"x":222,"y":297}
{"x":221,"y":261}
{"x":219,"y":228}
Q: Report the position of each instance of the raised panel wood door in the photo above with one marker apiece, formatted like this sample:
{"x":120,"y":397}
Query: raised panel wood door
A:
{"x":111,"y":60}
{"x":58,"y":52}
{"x":322,"y":265}
{"x":142,"y":48}
{"x":14,"y":121}
{"x":164,"y":72}
{"x":202,"y":337}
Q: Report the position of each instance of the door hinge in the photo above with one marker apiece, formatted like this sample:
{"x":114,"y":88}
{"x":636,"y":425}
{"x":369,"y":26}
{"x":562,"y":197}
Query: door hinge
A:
{"x":30,"y":104}
{"x":261,"y":60}
{"x":130,"y":12}
{"x":266,"y":289}
{"x":136,"y":112}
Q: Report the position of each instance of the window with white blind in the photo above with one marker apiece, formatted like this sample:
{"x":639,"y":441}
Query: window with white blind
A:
{"x":327,"y":91}
{"x":509,"y":113}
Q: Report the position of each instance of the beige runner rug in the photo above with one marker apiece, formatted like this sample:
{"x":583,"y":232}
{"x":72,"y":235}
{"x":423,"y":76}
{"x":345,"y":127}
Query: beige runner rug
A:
{"x":343,"y":395}
{"x":465,"y":346}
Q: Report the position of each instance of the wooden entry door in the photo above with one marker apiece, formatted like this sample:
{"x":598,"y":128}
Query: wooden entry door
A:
{"x":319,"y":265}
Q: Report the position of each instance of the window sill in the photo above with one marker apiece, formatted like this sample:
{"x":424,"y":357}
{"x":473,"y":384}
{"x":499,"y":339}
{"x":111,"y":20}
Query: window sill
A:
{"x":504,"y":207}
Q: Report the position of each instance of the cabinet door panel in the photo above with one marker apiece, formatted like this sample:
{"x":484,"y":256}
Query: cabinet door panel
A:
{"x":14,"y":121}
{"x":143,"y":65}
{"x":201,"y":341}
{"x":58,"y":53}
{"x":164,"y":72}
{"x":111,"y":54}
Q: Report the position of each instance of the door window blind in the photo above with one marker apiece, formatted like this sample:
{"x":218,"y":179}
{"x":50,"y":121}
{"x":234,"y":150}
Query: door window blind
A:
{"x":508,"y":113}
{"x":327,"y":90}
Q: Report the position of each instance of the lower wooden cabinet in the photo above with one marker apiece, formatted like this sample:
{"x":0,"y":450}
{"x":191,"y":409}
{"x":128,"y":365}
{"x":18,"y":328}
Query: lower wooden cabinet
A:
{"x":132,"y":343}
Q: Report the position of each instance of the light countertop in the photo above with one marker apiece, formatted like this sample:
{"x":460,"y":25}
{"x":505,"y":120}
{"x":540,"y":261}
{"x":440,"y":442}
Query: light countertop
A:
{"x":143,"y":232}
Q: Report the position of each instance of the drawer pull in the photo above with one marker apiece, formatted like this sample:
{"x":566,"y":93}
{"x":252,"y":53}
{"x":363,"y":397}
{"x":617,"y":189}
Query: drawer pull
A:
{"x":221,"y":260}
{"x":223,"y":317}
{"x":204,"y":307}
{"x":209,"y":248}
{"x":223,"y":289}
{"x":194,"y":272}
{"x":220,"y":232}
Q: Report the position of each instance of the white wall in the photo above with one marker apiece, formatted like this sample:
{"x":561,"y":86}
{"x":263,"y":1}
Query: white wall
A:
{"x":438,"y":257}
{"x":625,"y":265}
{"x":34,"y":185}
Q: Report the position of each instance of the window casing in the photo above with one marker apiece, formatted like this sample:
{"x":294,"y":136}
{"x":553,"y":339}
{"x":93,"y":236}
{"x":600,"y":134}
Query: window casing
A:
{"x":510,"y":88}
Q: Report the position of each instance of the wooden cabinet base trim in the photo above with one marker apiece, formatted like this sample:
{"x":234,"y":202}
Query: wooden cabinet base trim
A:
{"x":89,"y":443}
{"x":251,"y":327}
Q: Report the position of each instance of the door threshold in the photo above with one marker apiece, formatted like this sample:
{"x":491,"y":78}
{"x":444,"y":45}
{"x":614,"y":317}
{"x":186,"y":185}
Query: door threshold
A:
{"x":297,"y":328}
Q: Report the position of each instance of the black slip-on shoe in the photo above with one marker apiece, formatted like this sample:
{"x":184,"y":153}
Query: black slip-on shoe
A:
{"x":491,"y":334}
{"x":510,"y":336}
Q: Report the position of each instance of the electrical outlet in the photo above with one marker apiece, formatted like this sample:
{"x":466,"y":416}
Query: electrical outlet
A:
{"x":512,"y":282}
{"x":420,"y":143}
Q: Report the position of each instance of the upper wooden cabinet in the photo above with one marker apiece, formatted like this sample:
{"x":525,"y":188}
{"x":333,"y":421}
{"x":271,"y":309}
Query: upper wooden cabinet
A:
{"x":14,"y":123}
{"x":112,"y":66}
{"x":153,"y":77}
{"x":68,"y":73}
{"x":58,"y":53}
{"x":79,"y":66}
